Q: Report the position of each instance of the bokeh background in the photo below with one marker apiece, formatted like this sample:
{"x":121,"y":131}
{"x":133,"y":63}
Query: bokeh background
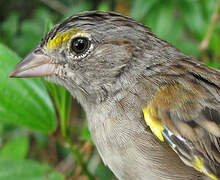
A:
{"x":43,"y":131}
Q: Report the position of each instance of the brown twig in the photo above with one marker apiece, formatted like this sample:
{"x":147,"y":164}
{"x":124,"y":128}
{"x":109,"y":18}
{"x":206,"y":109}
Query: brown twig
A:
{"x":77,"y":155}
{"x":66,"y":165}
{"x":216,"y":14}
{"x":86,"y":149}
{"x":56,"y":5}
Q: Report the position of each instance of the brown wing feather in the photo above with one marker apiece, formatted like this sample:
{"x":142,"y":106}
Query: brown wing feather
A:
{"x":189,"y":111}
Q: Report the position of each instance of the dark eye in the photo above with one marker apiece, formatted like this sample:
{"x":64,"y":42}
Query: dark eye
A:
{"x":80,"y":45}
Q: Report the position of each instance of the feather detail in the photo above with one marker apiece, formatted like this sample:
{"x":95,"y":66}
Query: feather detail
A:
{"x":181,"y":146}
{"x":175,"y":117}
{"x":154,"y":125}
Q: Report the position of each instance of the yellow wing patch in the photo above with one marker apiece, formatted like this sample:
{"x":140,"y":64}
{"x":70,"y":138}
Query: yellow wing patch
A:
{"x":158,"y":130}
{"x":63,"y":37}
{"x":199,"y":166}
{"x":154,"y":124}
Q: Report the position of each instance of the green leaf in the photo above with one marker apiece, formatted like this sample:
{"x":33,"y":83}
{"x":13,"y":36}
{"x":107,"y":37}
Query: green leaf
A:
{"x":10,"y":27}
{"x":194,"y":18}
{"x":48,"y":26}
{"x":32,"y":32}
{"x":104,"y":6}
{"x":85,"y":134}
{"x":78,"y":7}
{"x":161,"y":19}
{"x":103,"y":172}
{"x":213,"y":65}
{"x":41,"y":15}
{"x":165,"y":21}
{"x":207,"y":8}
{"x":26,"y":170}
{"x":24,"y":101}
{"x":63,"y":101}
{"x":15,"y":149}
{"x":140,"y":8}
{"x":29,"y":31}
{"x":214,"y":43}
{"x":188,"y":47}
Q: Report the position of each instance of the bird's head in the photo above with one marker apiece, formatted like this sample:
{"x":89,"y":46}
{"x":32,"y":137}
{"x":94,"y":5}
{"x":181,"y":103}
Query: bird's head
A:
{"x":92,"y":53}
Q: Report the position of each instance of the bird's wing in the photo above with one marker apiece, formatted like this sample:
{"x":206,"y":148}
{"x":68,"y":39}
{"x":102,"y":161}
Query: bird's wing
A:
{"x":187,"y":116}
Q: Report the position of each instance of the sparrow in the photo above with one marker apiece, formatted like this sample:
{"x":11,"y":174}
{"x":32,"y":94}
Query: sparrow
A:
{"x":153,"y":112}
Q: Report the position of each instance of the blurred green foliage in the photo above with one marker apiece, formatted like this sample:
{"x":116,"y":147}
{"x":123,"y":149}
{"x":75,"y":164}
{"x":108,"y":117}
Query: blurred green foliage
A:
{"x":41,"y":127}
{"x":183,"y":23}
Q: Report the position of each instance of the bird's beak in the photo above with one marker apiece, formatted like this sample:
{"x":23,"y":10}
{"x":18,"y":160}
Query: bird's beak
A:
{"x":35,"y":64}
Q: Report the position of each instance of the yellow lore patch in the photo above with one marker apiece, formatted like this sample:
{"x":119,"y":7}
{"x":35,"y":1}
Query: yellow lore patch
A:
{"x":61,"y":38}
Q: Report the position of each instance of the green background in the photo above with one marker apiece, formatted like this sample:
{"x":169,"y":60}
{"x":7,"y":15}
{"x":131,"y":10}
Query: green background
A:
{"x":43,"y":131}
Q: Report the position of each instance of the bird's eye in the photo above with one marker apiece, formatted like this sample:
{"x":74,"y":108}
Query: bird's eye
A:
{"x":80,"y":45}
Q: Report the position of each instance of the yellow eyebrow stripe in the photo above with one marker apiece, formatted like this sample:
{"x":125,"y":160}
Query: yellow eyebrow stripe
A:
{"x":61,"y":38}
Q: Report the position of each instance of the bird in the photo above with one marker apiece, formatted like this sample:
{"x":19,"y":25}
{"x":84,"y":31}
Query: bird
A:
{"x":152,"y":111}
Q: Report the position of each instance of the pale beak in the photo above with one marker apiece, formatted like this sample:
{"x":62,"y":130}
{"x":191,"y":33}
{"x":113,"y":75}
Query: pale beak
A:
{"x":35,"y":64}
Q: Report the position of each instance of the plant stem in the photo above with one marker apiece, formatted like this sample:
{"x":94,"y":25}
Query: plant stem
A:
{"x":205,"y":42}
{"x":63,"y":117}
{"x":63,"y":101}
{"x":56,"y":5}
{"x":78,"y":157}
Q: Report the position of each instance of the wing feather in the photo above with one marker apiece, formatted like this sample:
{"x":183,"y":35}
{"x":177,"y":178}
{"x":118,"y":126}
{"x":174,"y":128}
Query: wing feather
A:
{"x":186,"y":114}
